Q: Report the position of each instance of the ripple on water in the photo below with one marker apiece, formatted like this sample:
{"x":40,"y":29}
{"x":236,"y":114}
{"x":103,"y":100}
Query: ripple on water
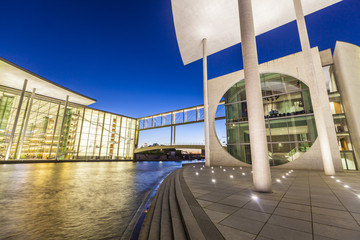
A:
{"x":74,"y":200}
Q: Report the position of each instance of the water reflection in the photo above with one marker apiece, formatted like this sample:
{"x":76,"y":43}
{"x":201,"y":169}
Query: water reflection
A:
{"x":74,"y":200}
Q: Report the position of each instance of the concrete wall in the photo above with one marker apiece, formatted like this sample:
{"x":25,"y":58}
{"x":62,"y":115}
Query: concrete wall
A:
{"x":347,"y":71}
{"x":292,"y":65}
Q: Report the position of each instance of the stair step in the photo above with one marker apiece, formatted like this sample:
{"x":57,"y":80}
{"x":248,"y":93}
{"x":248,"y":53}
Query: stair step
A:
{"x":192,"y":228}
{"x":145,"y":228}
{"x":177,"y":224}
{"x":155,"y":226}
{"x":165,"y":227}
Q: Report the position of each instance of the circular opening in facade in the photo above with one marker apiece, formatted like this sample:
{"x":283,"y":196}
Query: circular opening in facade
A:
{"x":289,"y":119}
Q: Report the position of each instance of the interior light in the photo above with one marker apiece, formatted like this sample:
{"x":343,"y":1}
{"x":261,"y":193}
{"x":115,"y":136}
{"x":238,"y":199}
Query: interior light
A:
{"x":243,"y":174}
{"x":337,"y":180}
{"x":231,"y":176}
{"x":213,"y":180}
{"x":278,"y":180}
{"x":254,"y":197}
{"x":212,"y":171}
{"x":196,"y":173}
{"x":346,"y":186}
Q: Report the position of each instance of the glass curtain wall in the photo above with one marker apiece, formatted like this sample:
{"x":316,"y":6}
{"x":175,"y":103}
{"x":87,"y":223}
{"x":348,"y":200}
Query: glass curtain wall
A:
{"x":86,"y":133}
{"x":288,"y":114}
{"x":106,"y":136}
{"x":339,"y":116}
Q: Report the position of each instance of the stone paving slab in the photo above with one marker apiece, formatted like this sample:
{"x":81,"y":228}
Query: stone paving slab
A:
{"x":303,"y":204}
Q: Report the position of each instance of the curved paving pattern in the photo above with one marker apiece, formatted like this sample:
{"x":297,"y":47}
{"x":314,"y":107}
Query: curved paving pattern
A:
{"x":175,"y":214}
{"x":303,"y":204}
{"x":218,"y":203}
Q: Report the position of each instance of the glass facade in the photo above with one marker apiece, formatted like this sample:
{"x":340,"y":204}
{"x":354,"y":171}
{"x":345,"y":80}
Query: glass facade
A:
{"x":86,"y":133}
{"x":339,"y":116}
{"x":288,"y":114}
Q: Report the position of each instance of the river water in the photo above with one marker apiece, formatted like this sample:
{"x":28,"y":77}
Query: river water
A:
{"x":80,"y":200}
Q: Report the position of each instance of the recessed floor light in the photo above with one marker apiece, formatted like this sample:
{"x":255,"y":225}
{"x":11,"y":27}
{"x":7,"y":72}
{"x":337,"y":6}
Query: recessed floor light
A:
{"x":212,"y":171}
{"x":254,"y":197}
{"x":278,"y":180}
{"x":346,"y":186}
{"x":231,"y":176}
{"x":213,"y":180}
{"x":243,"y":174}
{"x":337,"y":180}
{"x":196,"y":173}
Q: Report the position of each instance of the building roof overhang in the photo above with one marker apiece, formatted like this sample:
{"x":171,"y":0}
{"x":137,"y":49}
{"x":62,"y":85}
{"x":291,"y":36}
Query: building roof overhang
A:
{"x":13,"y":76}
{"x":218,"y":22}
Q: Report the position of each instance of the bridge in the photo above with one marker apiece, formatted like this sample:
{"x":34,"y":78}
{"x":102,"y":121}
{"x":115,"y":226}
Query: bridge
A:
{"x":151,"y":148}
{"x":174,"y":118}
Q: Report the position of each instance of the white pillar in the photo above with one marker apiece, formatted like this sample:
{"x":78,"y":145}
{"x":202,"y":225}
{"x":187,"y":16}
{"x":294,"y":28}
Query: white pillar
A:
{"x":257,"y":131}
{"x":62,"y":127}
{"x":26,"y":123}
{"x":16,"y":120}
{"x":206,"y":105}
{"x":310,"y":68}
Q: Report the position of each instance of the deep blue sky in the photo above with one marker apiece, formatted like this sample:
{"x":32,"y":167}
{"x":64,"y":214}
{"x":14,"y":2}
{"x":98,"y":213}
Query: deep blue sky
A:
{"x":125,"y":54}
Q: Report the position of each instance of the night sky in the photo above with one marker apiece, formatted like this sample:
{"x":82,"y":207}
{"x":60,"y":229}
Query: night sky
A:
{"x":125,"y":54}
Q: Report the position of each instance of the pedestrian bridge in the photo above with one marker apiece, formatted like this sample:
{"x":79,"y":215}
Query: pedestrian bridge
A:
{"x":145,"y":149}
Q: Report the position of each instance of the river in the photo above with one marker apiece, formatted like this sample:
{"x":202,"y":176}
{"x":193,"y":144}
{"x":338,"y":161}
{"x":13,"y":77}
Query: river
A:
{"x":80,"y":200}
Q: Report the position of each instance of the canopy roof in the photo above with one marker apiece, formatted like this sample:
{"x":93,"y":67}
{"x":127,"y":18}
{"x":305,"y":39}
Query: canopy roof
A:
{"x":13,"y":76}
{"x":218,"y":21}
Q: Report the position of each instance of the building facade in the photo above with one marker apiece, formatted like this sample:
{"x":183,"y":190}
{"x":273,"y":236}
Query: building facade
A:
{"x":289,"y":101}
{"x":48,"y":127}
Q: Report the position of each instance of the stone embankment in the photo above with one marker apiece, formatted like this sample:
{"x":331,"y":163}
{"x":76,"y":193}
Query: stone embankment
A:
{"x":175,"y":214}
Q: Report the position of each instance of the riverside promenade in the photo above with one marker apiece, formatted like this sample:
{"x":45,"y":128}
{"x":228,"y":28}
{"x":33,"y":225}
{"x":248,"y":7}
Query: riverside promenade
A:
{"x":222,"y":205}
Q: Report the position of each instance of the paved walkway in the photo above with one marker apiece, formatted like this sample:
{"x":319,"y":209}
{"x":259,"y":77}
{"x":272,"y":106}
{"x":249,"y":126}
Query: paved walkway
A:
{"x":303,"y":205}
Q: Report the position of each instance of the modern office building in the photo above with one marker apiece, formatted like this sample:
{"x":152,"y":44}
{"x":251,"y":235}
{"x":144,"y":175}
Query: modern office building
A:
{"x":41,"y":120}
{"x":288,"y":111}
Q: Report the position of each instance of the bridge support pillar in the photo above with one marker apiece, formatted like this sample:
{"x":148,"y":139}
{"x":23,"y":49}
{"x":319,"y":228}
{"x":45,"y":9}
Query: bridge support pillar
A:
{"x":257,"y":131}
{"x":206,"y":105}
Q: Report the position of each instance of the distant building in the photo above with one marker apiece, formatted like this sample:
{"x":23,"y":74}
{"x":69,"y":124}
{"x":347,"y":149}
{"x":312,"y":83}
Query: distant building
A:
{"x":50,"y":127}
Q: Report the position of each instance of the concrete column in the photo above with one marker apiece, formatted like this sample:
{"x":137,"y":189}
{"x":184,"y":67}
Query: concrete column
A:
{"x":62,"y":127}
{"x":16,"y":120}
{"x":257,"y":131}
{"x":319,"y":116}
{"x":26,"y":123}
{"x":81,"y":129}
{"x":206,"y":105}
{"x":171,"y":136}
{"x":174,"y":135}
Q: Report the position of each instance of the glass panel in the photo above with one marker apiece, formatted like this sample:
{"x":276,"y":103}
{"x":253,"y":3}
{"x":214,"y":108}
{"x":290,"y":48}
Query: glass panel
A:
{"x":350,"y":160}
{"x":289,"y":131}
